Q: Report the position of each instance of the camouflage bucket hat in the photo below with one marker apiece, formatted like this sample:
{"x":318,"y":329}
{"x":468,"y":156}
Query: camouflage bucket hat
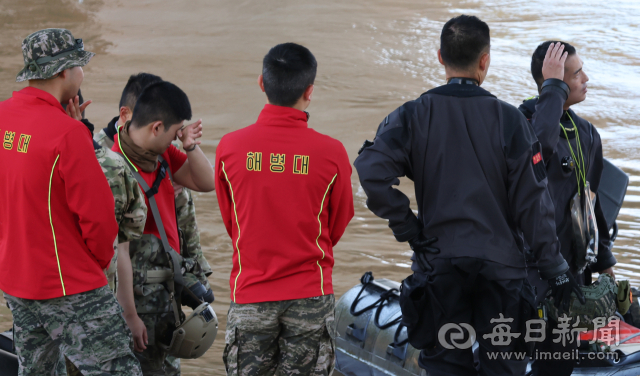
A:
{"x":50,"y":51}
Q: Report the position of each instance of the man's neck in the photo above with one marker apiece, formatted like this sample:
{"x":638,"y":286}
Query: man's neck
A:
{"x":301,"y":105}
{"x":450,"y":73}
{"x":138,"y":137}
{"x":49,"y":87}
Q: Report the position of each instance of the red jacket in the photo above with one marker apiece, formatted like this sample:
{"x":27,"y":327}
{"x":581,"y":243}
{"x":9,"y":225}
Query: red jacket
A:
{"x":285,"y":196}
{"x":165,"y":199}
{"x":56,"y":208}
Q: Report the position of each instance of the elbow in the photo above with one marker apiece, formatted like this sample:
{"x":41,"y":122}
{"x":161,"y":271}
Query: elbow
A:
{"x":208,"y":186}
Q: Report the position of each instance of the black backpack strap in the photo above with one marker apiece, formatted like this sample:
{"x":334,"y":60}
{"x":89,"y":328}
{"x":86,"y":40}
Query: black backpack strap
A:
{"x":164,"y":167}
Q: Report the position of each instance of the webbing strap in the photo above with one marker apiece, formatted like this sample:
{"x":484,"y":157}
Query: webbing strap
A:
{"x":177,"y":269}
{"x":162,"y":161}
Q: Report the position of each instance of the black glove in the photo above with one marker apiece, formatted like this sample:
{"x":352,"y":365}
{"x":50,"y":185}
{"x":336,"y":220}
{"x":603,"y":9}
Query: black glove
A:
{"x":196,"y":295}
{"x":561,"y":287}
{"x":421,"y":245}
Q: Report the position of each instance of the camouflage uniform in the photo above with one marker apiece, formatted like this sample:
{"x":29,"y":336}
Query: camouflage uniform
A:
{"x":152,"y":300}
{"x":290,"y":337}
{"x":191,"y":249}
{"x":131,"y":210}
{"x":87,"y":327}
{"x":103,"y":140}
{"x":190,"y":238}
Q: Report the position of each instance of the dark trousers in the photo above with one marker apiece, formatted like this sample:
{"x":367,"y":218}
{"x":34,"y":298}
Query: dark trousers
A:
{"x":461,"y":295}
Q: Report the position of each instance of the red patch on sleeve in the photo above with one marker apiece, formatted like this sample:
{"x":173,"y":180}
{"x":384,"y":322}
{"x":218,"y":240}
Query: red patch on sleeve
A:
{"x":537,"y":158}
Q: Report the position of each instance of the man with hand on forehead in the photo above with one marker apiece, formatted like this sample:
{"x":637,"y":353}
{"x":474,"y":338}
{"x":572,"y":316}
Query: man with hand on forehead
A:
{"x":572,"y":153}
{"x":145,"y":142}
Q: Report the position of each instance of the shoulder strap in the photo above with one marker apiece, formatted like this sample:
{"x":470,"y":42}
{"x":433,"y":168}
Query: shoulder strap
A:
{"x":164,"y":163}
{"x":173,"y":255}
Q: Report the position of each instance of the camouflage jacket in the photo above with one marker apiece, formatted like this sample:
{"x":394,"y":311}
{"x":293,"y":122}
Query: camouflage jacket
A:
{"x":103,"y":140}
{"x":130,"y":207}
{"x":147,"y":252}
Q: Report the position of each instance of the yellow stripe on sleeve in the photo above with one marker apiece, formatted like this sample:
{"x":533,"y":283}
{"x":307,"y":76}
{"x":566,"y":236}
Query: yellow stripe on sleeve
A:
{"x":55,"y":244}
{"x":235,"y":286}
{"x":320,"y":233}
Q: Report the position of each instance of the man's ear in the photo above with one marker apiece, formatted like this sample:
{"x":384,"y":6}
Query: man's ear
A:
{"x":125,"y":115}
{"x":308,"y":93}
{"x":62,"y":74}
{"x":440,"y":57}
{"x":157,"y":128}
{"x":261,"y":83}
{"x":485,"y":59}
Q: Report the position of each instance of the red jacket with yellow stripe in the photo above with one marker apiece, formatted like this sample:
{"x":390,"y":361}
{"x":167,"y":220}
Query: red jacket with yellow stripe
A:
{"x":57,"y":225}
{"x":285,"y":197}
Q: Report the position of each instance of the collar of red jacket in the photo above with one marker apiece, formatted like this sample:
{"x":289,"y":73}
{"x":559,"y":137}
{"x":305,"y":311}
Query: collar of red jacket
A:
{"x":31,"y":93}
{"x":282,"y":116}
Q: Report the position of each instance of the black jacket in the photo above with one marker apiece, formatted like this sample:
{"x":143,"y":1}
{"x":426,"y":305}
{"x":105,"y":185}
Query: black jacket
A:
{"x":479,"y":178}
{"x":545,"y":114}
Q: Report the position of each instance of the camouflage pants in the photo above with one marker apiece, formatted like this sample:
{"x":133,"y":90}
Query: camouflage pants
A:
{"x":291,"y":337}
{"x":88,"y":328}
{"x":154,"y":360}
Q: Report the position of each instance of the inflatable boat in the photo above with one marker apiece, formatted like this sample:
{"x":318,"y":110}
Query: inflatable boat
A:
{"x":372,"y":342}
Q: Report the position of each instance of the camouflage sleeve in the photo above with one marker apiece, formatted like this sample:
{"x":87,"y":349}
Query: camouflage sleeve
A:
{"x":190,"y":236}
{"x":134,"y":212}
{"x":130,"y":208}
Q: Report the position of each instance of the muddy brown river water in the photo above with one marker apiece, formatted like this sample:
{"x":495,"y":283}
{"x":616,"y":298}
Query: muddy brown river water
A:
{"x":372,"y":56}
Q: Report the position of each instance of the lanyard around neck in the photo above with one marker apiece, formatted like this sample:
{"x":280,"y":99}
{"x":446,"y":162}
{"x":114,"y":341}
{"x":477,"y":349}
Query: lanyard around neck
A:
{"x":580,"y":165}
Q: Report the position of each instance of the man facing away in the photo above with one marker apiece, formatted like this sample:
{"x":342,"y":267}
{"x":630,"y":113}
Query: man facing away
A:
{"x":145,"y":142}
{"x":285,"y":197}
{"x":572,"y":152}
{"x":54,"y":188}
{"x":480,"y":183}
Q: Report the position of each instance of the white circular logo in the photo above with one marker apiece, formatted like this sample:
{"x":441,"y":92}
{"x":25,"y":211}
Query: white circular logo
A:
{"x":458,"y":334}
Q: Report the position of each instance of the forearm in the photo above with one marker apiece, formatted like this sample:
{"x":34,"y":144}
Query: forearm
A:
{"x":546,"y":119}
{"x":201,"y":170}
{"x":125,"y":281}
{"x":377,"y":178}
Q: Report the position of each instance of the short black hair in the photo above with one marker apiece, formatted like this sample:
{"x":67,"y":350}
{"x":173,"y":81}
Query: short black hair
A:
{"x":537,"y":59}
{"x":133,"y":88}
{"x":162,"y":101}
{"x":287,"y":71}
{"x":463,"y":40}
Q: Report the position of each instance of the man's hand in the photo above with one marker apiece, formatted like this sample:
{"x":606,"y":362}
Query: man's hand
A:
{"x":610,"y":272}
{"x":190,"y":134}
{"x":553,"y":65}
{"x":75,"y":109}
{"x":177,"y":189}
{"x":421,"y":245}
{"x":139,"y":331}
{"x":561,"y":287}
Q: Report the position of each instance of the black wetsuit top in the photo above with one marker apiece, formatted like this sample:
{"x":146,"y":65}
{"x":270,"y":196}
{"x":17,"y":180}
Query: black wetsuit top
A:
{"x":479,"y":179}
{"x":545,"y":114}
